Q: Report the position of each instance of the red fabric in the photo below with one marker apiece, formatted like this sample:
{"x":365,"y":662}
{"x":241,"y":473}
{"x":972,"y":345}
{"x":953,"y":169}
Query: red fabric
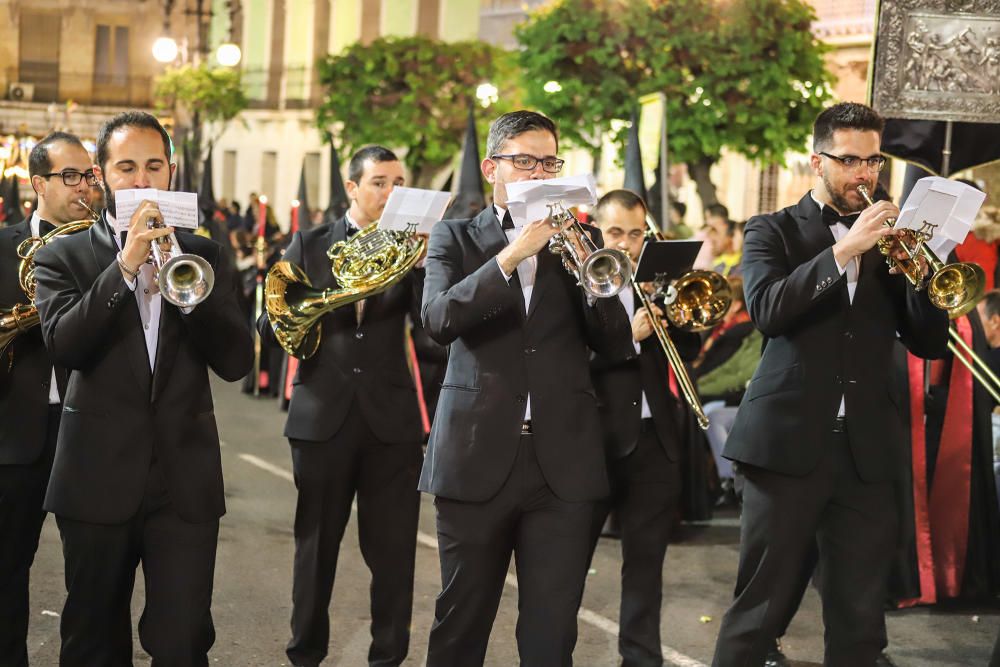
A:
{"x":950,"y":494}
{"x":921,"y":519}
{"x":979,"y":252}
{"x":415,"y":365}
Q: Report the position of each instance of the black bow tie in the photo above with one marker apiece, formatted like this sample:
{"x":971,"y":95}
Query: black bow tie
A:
{"x":44,"y":227}
{"x":351,"y":230}
{"x":831,"y":217}
{"x":507,"y":222}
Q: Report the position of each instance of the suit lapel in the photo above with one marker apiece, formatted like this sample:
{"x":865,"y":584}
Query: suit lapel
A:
{"x":486,"y":233}
{"x":818,"y":236}
{"x":168,"y":337}
{"x":105,"y":250}
{"x":545,"y":277}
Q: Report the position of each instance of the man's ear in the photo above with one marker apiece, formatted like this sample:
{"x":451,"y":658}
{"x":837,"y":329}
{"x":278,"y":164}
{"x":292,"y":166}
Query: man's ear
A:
{"x":352,"y":189}
{"x":489,"y":169}
{"x":38,"y":185}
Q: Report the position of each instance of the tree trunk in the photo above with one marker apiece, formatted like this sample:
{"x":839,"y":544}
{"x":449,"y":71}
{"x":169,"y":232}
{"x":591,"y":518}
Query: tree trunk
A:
{"x":700,"y":172}
{"x":596,"y":154}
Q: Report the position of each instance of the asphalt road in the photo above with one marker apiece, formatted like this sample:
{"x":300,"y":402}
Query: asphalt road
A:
{"x":253,"y":581}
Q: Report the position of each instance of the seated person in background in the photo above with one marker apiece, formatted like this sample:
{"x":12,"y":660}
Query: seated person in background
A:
{"x":719,"y":233}
{"x":678,"y":227}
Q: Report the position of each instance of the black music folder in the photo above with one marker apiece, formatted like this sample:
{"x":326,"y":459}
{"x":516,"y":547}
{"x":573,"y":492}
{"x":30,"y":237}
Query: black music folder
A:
{"x":666,"y":260}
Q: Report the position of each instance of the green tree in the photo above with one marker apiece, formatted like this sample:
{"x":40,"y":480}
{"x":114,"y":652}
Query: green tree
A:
{"x":412,"y":93}
{"x":746,"y":75}
{"x":198,"y":94}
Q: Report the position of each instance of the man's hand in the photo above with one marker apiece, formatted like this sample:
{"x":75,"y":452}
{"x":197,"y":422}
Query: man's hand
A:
{"x":642,"y":326}
{"x":866,"y":231}
{"x":423,"y":254}
{"x":902,"y":256}
{"x":534,"y":236}
{"x":141,"y":235}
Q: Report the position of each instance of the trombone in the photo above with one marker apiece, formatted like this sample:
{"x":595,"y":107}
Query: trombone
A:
{"x":696,"y":301}
{"x":955,"y":288}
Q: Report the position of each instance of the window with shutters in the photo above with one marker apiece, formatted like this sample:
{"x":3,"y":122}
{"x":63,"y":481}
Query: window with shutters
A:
{"x":39,"y":56}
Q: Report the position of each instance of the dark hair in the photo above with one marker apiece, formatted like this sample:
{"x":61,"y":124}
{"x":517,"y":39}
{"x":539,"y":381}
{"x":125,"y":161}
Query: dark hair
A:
{"x":717,"y":211}
{"x":373,"y":153}
{"x":844,"y":116}
{"x":991,"y":303}
{"x":516,"y":123}
{"x":679,"y":206}
{"x":627,"y":199}
{"x":39,"y":161}
{"x":970,"y":182}
{"x":128,"y":119}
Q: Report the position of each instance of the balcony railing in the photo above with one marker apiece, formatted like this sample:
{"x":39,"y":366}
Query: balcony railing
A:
{"x":46,"y":84}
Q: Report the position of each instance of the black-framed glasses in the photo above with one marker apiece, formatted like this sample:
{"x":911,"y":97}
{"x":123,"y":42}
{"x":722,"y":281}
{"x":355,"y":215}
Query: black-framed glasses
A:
{"x":72,"y":178}
{"x":874,"y":163}
{"x":525,"y":162}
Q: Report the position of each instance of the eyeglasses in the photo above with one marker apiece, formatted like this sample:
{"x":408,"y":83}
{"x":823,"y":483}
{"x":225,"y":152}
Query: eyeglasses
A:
{"x":528,"y":162}
{"x":71,"y":178}
{"x":874,"y":163}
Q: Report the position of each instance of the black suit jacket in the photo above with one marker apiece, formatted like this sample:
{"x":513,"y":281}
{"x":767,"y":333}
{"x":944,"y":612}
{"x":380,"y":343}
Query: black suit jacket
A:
{"x":819,"y":346}
{"x":24,"y":384}
{"x":498,"y":355}
{"x":620,"y":384}
{"x":117,"y":415}
{"x":367,"y":361}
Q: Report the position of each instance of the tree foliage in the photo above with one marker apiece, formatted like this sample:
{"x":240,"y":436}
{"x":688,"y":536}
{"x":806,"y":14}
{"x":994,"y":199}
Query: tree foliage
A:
{"x":213,"y":94}
{"x":412,"y":93}
{"x":746,"y":75}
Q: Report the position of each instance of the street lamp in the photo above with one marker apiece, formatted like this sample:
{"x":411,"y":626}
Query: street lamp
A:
{"x":228,"y":55}
{"x":165,"y":50}
{"x":487,"y":94}
{"x":552,"y":87}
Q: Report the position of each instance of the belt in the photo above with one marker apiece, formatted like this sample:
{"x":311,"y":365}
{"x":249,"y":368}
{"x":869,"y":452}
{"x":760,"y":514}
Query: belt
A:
{"x":840,"y":425}
{"x":526,"y":427}
{"x":646,"y":425}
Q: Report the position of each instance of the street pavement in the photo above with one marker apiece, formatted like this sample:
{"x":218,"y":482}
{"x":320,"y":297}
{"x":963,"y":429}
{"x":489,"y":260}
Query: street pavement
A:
{"x":251,"y":604}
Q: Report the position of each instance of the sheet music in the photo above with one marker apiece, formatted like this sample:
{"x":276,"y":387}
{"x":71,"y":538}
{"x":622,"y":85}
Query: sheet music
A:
{"x":179,"y":209}
{"x":943,"y":209}
{"x":528,"y":201}
{"x":413,"y":209}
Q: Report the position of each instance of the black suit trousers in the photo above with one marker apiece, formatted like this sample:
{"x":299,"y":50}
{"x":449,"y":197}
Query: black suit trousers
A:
{"x":384,"y":477}
{"x":22,"y":490}
{"x":549,"y":538}
{"x":178,"y":564}
{"x":645,"y":495}
{"x":853,"y":523}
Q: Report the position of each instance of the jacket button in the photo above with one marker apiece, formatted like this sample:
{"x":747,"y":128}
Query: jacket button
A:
{"x":520,"y":398}
{"x":819,"y":287}
{"x":529,"y":350}
{"x":357,"y":371}
{"x":359,"y":335}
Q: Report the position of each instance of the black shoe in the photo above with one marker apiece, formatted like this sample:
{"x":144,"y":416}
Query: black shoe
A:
{"x":883,"y":660}
{"x":775,"y":658}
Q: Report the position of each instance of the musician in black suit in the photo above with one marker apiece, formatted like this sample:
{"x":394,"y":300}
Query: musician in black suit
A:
{"x":137,"y":475}
{"x":515,"y":458}
{"x":817,"y":432}
{"x":354,"y":428}
{"x":642,"y":431}
{"x":31,"y":388}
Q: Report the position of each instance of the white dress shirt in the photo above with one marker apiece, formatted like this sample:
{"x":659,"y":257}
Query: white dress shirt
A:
{"x":852,"y":269}
{"x":627,"y":297}
{"x":526,"y":271}
{"x":53,"y":385}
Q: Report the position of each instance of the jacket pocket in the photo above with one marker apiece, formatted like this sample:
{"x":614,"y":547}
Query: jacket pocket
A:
{"x":459,"y":387}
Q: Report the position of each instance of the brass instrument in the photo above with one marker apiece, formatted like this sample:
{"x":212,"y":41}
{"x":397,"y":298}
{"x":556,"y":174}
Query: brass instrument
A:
{"x":696,"y":301}
{"x":601,"y":272}
{"x":21,"y":317}
{"x":184,"y":279}
{"x":955,"y":288}
{"x":369,"y":263}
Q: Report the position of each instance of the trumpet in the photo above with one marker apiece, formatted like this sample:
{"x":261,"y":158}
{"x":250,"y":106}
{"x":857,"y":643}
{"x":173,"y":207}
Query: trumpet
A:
{"x":184,"y":279}
{"x":955,"y":288}
{"x":601,"y":272}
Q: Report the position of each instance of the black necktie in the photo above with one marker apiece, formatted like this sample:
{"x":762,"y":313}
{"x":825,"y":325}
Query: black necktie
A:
{"x":507,"y":222}
{"x":831,"y":217}
{"x":44,"y":227}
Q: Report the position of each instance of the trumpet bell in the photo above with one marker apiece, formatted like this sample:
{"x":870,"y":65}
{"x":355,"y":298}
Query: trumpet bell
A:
{"x":15,"y":321}
{"x":186,"y":280}
{"x":957,"y":288}
{"x":698,"y":300}
{"x":605,"y":272}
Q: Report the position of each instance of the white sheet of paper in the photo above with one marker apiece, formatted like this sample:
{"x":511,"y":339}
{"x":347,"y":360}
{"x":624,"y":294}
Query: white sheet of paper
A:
{"x":941,"y":207}
{"x":412,"y":206}
{"x":179,"y":209}
{"x":528,"y":201}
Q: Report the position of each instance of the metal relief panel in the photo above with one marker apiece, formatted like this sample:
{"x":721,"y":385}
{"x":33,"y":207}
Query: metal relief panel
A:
{"x":938,"y":60}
